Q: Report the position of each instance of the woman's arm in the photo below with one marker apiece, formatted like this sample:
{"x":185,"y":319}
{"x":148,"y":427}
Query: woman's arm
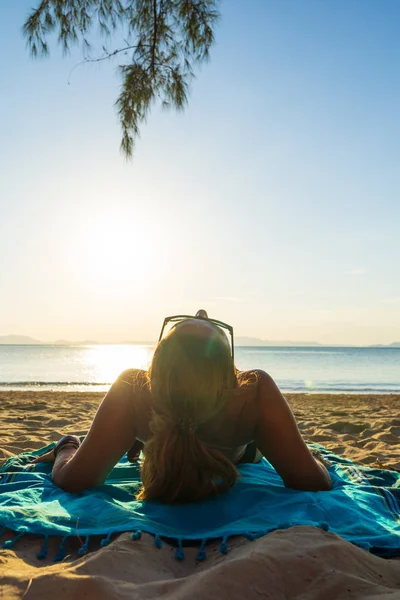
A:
{"x":280,"y":441}
{"x":111,"y":434}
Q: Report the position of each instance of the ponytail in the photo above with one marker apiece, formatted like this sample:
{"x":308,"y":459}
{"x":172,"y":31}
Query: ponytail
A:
{"x":179,"y":467}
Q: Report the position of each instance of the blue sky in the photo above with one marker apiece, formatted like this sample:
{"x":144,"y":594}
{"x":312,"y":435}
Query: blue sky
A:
{"x":273,"y":200}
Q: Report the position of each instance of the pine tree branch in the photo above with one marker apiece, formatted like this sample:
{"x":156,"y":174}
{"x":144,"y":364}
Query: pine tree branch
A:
{"x":108,"y":56}
{"x":154,"y":45}
{"x":169,"y":37}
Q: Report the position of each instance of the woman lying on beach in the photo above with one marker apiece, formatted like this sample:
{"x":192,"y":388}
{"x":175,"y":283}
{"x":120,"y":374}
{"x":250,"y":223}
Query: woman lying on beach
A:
{"x":197,"y":416}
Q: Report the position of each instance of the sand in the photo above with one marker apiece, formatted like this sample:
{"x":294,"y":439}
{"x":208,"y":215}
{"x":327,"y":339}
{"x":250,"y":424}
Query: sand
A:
{"x":301,"y":562}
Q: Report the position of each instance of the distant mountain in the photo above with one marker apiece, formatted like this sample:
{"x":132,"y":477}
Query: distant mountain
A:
{"x":250,"y":341}
{"x":22,"y":340}
{"x":393,"y":345}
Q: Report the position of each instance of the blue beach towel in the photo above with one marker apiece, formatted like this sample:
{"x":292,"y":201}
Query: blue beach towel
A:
{"x":363,"y":507}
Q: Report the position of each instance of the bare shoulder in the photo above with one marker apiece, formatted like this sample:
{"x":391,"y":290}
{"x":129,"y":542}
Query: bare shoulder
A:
{"x":254,"y":376}
{"x":133,"y":385}
{"x":255,"y":384}
{"x":245,"y":402}
{"x":263,"y":379}
{"x":133,"y":379}
{"x":127,"y":392}
{"x":270,"y":403}
{"x":264,"y":384}
{"x":260,"y":399}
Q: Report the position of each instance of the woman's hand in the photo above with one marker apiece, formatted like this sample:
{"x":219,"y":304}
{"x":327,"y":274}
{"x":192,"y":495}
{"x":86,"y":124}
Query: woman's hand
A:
{"x":134,"y":451}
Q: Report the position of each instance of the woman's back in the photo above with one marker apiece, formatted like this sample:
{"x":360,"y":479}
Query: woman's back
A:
{"x":230,"y":430}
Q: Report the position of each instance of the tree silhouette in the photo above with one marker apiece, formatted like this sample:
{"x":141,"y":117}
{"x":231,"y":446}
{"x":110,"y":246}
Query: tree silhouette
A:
{"x":164,"y":40}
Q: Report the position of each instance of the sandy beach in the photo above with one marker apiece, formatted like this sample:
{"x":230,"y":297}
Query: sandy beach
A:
{"x":300,"y":562}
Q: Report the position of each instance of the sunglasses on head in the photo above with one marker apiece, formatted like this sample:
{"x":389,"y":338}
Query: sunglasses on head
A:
{"x":179,"y":318}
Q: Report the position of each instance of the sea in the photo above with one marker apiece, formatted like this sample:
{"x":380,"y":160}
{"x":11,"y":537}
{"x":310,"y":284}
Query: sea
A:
{"x":295,"y":369}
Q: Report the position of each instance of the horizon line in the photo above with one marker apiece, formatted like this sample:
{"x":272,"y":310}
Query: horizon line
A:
{"x":28,"y":341}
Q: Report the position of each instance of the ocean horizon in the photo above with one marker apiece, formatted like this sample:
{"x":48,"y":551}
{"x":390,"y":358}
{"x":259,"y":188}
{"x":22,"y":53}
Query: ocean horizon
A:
{"x":312,"y":369}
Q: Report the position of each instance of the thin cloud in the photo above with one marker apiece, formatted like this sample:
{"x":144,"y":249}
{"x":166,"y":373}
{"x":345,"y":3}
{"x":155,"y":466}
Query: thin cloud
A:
{"x":231,"y":299}
{"x":360,"y":271}
{"x":395,"y":300}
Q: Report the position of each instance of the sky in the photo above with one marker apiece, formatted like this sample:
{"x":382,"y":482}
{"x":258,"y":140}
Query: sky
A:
{"x":272,"y":201}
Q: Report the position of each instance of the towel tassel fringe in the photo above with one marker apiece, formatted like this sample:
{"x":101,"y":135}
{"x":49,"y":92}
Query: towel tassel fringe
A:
{"x":158,"y":541}
{"x":105,"y":541}
{"x":254,"y":535}
{"x":179,"y":554}
{"x":202,"y":554}
{"x":10,"y":543}
{"x":136,"y":535}
{"x":61,"y":554}
{"x":84,"y":549}
{"x":223,"y":549}
{"x":323,"y":526}
{"x":43,"y":553}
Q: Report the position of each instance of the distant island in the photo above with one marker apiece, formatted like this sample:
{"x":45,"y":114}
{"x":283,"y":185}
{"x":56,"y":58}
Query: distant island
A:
{"x":255,"y":342}
{"x":250,"y":341}
{"x":19,"y":340}
{"x":24,"y":340}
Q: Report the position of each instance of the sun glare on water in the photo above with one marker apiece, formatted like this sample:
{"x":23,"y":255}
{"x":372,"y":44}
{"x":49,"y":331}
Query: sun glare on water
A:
{"x":108,"y":361}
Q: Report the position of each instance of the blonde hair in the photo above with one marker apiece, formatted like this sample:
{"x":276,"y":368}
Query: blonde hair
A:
{"x":190,"y":379}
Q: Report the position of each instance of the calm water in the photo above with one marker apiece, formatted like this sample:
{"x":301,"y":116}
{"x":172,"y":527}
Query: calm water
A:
{"x":88,"y":368}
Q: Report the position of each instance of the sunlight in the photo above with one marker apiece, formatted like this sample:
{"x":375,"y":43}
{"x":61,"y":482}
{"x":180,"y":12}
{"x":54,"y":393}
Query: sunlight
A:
{"x":105,"y":363}
{"x":117,"y":248}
